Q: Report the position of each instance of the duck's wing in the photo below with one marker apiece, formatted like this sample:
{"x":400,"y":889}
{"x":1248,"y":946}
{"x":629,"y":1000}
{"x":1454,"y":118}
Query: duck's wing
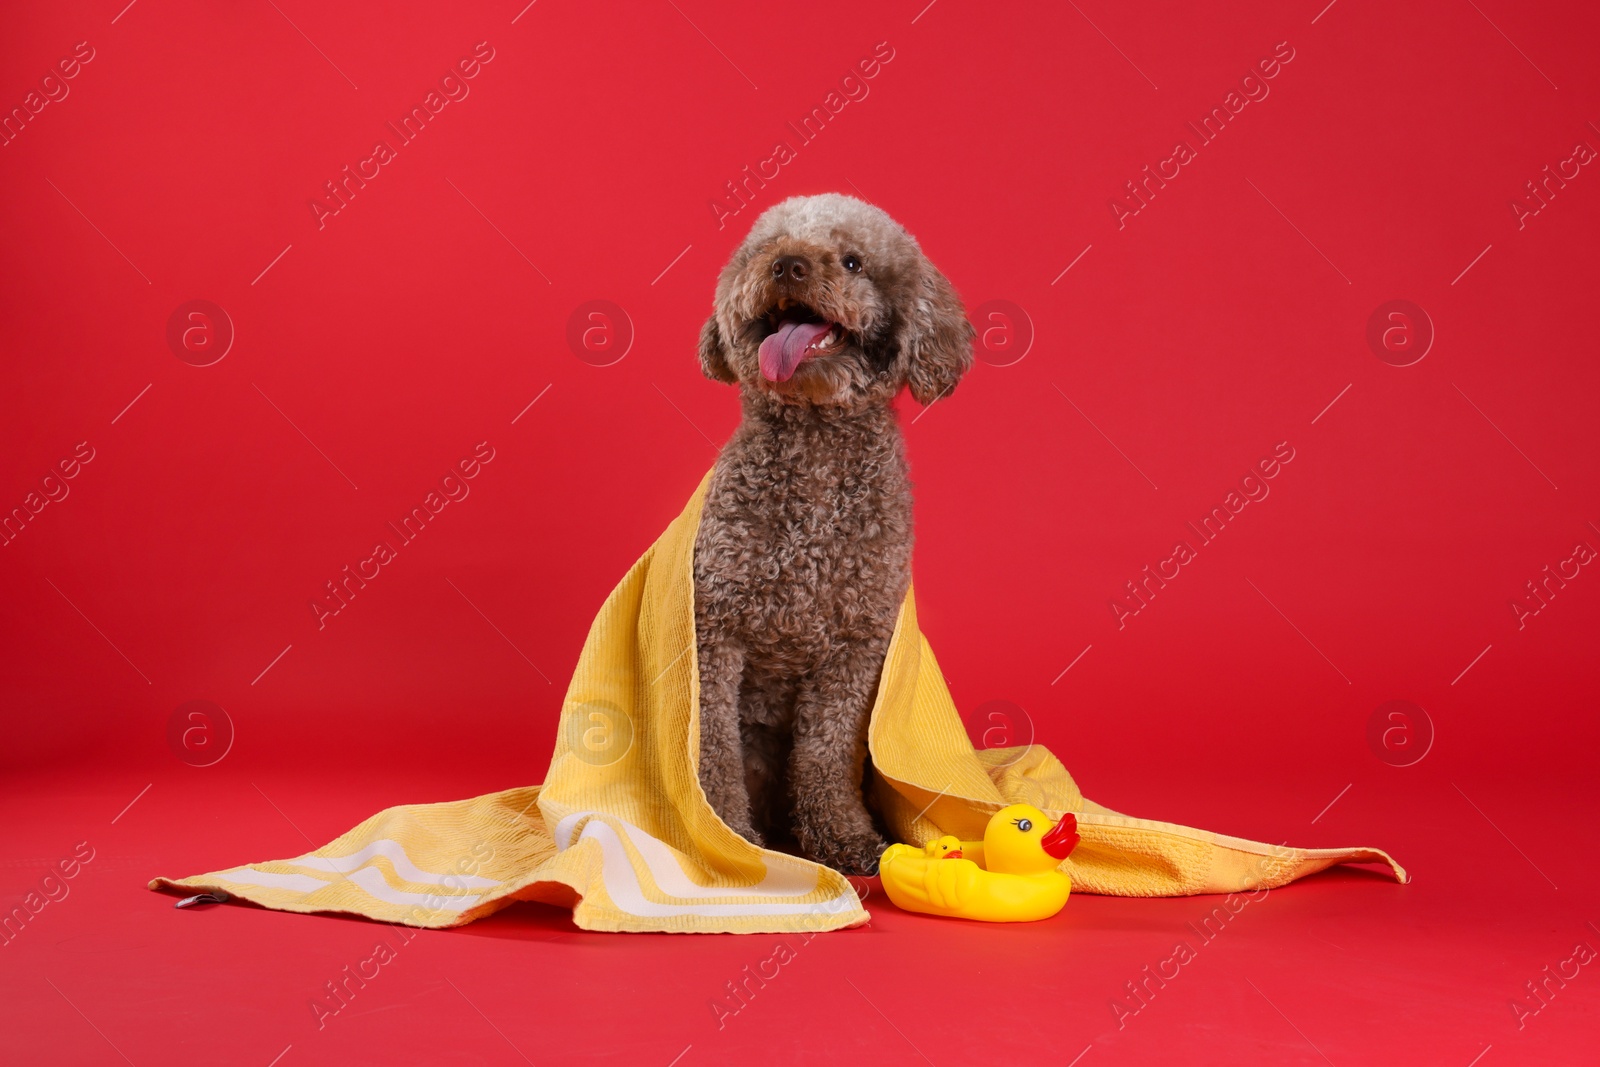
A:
{"x":941,"y":884}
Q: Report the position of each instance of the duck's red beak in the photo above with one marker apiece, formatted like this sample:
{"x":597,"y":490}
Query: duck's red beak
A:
{"x":1062,"y":838}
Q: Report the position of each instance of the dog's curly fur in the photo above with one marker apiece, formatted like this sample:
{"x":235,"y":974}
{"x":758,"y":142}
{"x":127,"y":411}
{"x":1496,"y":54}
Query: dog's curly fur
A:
{"x":803,"y":555}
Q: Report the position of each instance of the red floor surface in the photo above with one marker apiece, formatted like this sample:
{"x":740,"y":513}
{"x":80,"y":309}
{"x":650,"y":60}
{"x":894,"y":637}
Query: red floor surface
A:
{"x":1344,"y":968}
{"x":1383,"y":264}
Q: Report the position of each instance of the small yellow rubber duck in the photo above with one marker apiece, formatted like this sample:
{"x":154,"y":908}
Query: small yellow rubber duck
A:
{"x":1009,"y":876}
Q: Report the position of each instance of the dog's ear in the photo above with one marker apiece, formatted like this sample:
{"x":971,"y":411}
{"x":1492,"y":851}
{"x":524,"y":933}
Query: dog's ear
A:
{"x":935,"y":338}
{"x":713,"y":356}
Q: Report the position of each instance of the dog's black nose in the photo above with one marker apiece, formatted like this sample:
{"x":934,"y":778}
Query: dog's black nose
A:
{"x":794,"y":267}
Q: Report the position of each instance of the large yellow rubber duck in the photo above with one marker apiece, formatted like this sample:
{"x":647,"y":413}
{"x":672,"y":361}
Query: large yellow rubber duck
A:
{"x":1009,"y":876}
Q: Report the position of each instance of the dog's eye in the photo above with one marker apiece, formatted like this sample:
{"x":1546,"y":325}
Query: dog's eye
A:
{"x":851,"y":263}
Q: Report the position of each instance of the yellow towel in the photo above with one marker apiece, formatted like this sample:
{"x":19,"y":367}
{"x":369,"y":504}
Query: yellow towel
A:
{"x":622,"y":834}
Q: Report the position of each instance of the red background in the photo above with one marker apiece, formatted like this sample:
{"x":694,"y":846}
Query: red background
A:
{"x":374,"y":352}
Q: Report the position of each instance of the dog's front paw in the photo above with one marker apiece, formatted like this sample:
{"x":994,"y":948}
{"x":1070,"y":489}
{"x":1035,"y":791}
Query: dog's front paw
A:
{"x":855,"y":853}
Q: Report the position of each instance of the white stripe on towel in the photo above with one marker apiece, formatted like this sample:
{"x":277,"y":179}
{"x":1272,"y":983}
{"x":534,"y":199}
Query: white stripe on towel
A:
{"x":395,"y":854}
{"x":622,"y":881}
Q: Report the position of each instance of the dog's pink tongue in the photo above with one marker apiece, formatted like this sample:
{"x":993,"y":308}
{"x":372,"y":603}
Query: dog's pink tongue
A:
{"x":782,"y":352}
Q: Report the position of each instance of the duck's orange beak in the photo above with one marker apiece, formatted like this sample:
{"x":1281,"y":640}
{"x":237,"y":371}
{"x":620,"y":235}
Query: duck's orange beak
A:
{"x":1062,"y":838}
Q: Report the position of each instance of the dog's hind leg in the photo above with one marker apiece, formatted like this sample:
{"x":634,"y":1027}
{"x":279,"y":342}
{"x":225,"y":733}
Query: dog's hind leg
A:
{"x":721,"y":744}
{"x":830,"y":751}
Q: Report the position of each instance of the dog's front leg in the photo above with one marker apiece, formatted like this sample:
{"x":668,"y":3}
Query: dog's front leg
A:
{"x":830,"y":750}
{"x":721,"y":743}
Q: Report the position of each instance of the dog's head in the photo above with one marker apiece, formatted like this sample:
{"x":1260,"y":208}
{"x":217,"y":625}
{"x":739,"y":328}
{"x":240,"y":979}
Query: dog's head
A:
{"x":831,"y":302}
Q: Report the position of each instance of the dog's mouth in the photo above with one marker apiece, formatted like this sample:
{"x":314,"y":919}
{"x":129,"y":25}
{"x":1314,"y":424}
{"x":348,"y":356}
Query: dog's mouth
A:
{"x":795,"y":332}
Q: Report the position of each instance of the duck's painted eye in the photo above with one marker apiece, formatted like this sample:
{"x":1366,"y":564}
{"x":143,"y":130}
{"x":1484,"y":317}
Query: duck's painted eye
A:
{"x":851,"y":263}
{"x":1025,"y":825}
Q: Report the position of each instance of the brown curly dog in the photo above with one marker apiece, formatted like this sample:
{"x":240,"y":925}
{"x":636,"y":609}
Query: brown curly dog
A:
{"x":803,"y":555}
